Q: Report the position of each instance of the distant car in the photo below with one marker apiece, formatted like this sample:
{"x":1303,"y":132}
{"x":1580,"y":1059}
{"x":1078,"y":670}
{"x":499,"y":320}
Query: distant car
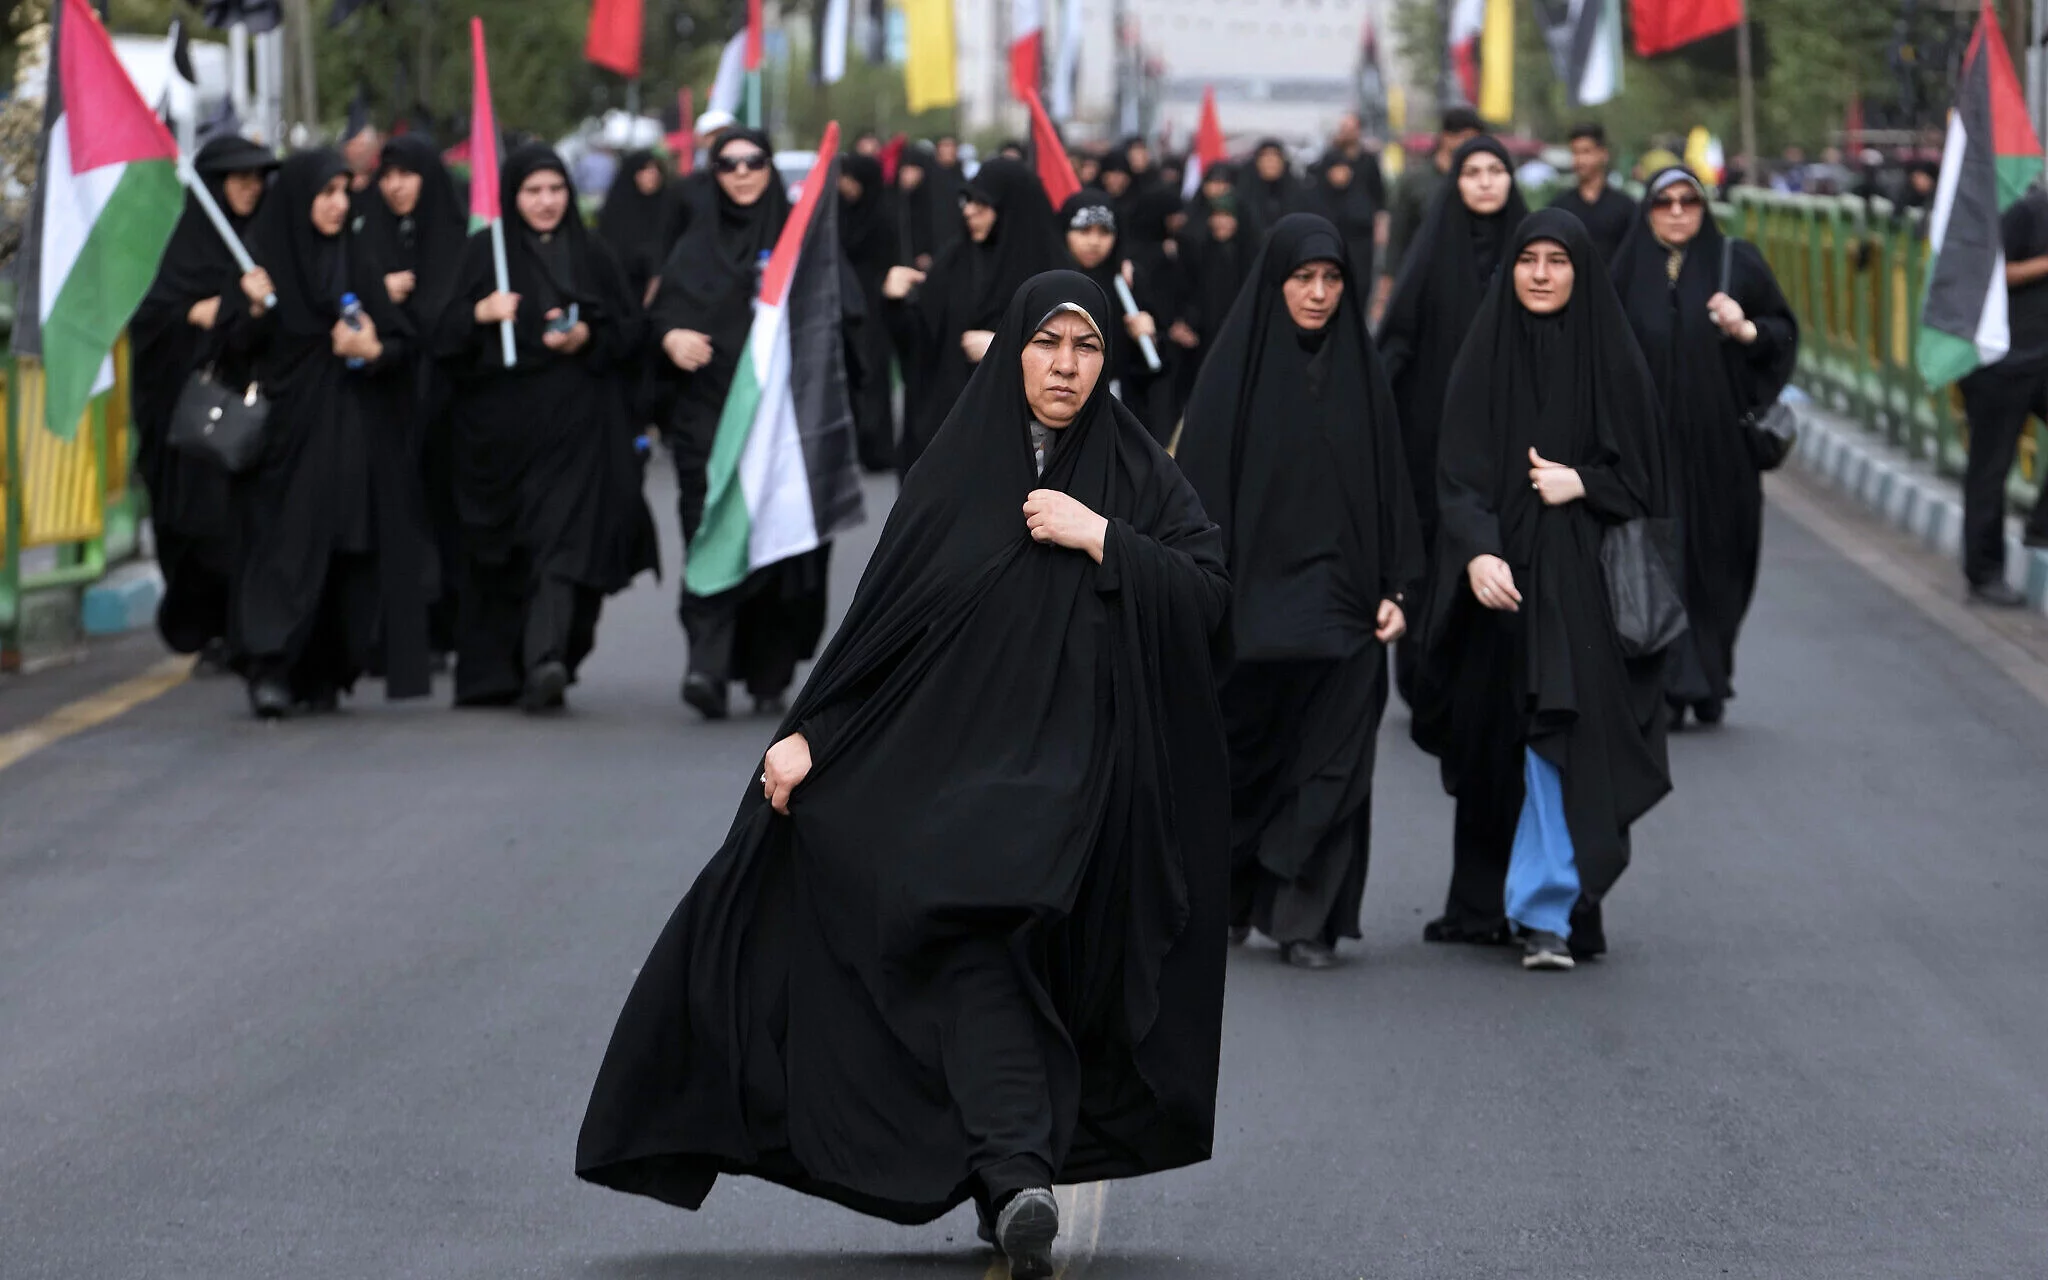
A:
{"x":795,"y":166}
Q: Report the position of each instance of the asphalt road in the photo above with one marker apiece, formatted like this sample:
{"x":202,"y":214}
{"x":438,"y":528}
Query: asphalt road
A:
{"x":325,"y":1000}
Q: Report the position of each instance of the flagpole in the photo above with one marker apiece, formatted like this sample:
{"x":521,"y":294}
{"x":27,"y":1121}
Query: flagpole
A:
{"x":504,"y":283}
{"x":1745,"y":75}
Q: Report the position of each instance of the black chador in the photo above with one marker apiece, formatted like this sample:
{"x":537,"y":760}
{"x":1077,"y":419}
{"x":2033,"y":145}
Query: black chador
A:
{"x":1503,"y":693}
{"x":985,"y":947}
{"x":640,"y":227}
{"x":1444,"y":275}
{"x":970,"y":285}
{"x":420,"y":252}
{"x":172,"y":335}
{"x":1708,"y":382}
{"x":547,"y":481}
{"x":1292,"y":443}
{"x":869,"y":238}
{"x":333,"y":550}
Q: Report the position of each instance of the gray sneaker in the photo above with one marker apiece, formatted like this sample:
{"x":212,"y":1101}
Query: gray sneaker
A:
{"x":1025,"y":1229}
{"x":1546,"y":951}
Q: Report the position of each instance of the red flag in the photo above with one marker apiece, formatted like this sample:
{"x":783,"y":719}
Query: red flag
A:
{"x":682,"y":144}
{"x":1027,"y":46}
{"x":892,"y":156}
{"x":483,"y":136}
{"x":1210,"y":149}
{"x":754,"y":35}
{"x":613,"y":41}
{"x":1664,"y":25}
{"x":1055,"y":171}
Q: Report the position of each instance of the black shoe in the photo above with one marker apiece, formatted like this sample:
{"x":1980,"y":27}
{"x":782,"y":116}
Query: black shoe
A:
{"x":1710,"y":712}
{"x":1589,"y":931}
{"x":1546,"y":951}
{"x":1445,"y":929}
{"x":269,"y":699}
{"x":771,"y":705}
{"x":1240,"y":934}
{"x":1676,"y":720}
{"x":1025,"y":1230}
{"x":544,"y":685}
{"x":984,"y":1224}
{"x":214,"y":659}
{"x":1997,"y":595}
{"x":705,"y":695}
{"x":1308,"y":955}
{"x":324,"y":703}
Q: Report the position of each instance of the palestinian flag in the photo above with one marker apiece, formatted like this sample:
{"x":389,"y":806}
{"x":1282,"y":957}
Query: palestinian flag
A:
{"x":1990,"y":158}
{"x":107,"y":196}
{"x":783,"y":478}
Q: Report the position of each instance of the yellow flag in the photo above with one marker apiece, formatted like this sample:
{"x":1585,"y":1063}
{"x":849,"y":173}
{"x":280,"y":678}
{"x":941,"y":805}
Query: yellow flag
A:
{"x":1497,"y":63}
{"x":928,"y":76}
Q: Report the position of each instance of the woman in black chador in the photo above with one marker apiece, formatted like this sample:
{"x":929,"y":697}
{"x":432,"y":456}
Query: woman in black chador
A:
{"x":413,"y":226}
{"x":941,"y":325}
{"x":173,"y":334}
{"x":758,"y":631}
{"x":333,"y":554}
{"x":983,"y":953}
{"x":1719,"y":348}
{"x":1444,"y":275}
{"x":869,"y":238}
{"x":1292,"y":443}
{"x":640,"y":220}
{"x":1551,"y":740}
{"x":547,"y":481}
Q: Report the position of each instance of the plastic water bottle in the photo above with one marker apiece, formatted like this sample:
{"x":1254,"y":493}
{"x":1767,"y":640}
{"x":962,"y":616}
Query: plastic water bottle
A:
{"x":761,"y":270}
{"x":352,"y":316}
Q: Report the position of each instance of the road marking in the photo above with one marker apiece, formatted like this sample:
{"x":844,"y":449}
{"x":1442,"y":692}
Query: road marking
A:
{"x":77,"y":717}
{"x":1874,"y":557}
{"x":1080,"y":1231}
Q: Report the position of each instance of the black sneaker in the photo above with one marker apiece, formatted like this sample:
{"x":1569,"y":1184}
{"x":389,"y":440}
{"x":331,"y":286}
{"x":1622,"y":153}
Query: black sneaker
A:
{"x":1997,"y":594}
{"x":705,"y":695}
{"x":1710,"y":712}
{"x":1308,"y":955}
{"x":1025,"y":1230}
{"x":544,"y":686}
{"x":1546,"y":951}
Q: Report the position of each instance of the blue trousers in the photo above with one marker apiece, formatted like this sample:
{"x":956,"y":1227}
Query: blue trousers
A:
{"x":1543,"y":874}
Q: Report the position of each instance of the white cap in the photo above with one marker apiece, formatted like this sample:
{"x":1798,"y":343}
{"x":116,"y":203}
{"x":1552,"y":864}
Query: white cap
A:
{"x":713,"y":121}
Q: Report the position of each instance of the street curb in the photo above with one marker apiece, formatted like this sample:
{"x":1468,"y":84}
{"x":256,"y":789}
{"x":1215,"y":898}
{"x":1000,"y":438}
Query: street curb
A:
{"x":124,"y":600}
{"x":1904,"y":493}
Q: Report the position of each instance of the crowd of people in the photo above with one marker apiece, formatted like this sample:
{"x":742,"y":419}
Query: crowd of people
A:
{"x":1188,"y":489}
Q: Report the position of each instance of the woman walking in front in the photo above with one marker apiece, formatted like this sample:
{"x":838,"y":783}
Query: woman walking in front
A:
{"x":965,"y":937}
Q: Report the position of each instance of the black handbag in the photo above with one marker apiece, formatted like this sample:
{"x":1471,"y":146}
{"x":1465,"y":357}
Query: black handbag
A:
{"x":218,"y":423}
{"x":1772,"y":431}
{"x":1637,"y":559}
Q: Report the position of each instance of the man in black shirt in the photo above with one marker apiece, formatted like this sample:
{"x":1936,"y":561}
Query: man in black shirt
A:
{"x":1998,"y":399}
{"x":1606,"y":212}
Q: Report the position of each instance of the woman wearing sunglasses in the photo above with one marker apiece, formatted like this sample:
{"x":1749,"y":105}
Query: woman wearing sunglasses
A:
{"x":1720,"y":340}
{"x":758,"y":631}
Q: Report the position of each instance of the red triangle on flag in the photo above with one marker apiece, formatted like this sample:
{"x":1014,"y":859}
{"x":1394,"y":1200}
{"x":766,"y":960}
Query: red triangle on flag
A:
{"x":1209,"y":145}
{"x":105,"y":119}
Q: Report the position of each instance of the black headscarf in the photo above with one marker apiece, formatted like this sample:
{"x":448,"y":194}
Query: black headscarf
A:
{"x":428,"y":242}
{"x":311,"y":271}
{"x":1291,"y":440}
{"x":1573,"y":386}
{"x":969,"y":652}
{"x":1444,"y":275}
{"x":1268,"y":202}
{"x":867,"y":226}
{"x":639,"y":228}
{"x":722,"y":248}
{"x":972,"y":284}
{"x":196,"y":260}
{"x":1351,"y":207}
{"x":549,"y":271}
{"x":1093,"y":208}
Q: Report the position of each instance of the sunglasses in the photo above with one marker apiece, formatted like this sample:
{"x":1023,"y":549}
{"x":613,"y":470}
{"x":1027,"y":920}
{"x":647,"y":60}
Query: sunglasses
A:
{"x":753,"y":162}
{"x":1678,"y":204}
